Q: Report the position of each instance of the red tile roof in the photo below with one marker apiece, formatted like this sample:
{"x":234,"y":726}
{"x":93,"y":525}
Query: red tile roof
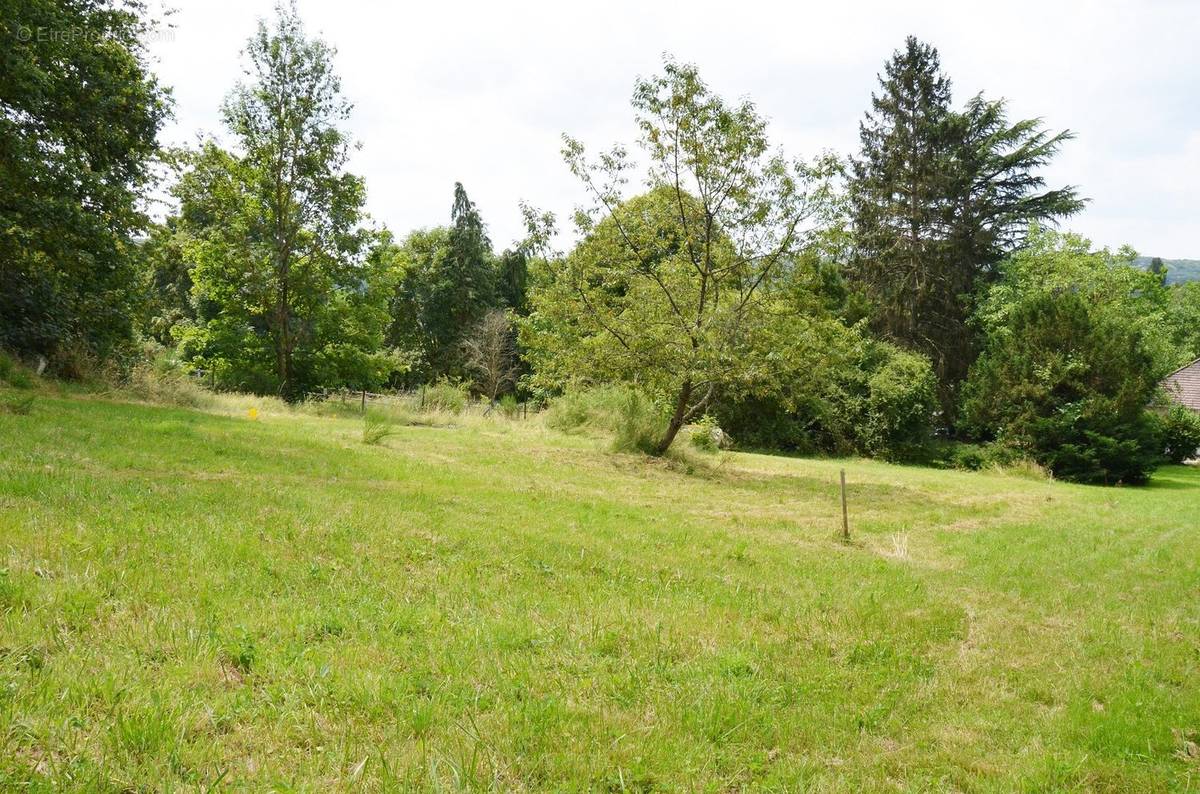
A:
{"x":1184,"y":385}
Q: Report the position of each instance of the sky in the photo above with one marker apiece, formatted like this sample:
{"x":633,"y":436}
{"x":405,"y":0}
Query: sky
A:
{"x":481,"y":92}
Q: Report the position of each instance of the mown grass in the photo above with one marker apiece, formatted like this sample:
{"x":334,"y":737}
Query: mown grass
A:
{"x":193,"y":600}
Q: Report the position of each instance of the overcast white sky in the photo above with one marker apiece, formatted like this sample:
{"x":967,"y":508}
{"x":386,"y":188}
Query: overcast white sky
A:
{"x":480,"y":92}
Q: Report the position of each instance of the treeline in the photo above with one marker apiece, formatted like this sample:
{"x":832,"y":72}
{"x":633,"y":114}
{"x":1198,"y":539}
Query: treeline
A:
{"x":911,"y":301}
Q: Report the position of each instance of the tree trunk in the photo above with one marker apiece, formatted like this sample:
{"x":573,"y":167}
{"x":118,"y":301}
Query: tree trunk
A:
{"x":681,"y":407}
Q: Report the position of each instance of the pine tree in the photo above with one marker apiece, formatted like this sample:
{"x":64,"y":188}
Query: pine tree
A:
{"x":899,"y":198}
{"x":467,"y":286}
{"x":938,"y":198}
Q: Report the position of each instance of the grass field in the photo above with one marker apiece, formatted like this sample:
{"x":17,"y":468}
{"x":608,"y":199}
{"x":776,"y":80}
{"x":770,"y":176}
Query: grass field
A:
{"x":195,"y":600}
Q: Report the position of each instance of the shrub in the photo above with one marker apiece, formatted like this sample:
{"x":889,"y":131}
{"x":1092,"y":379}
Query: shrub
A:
{"x":159,"y":381}
{"x":596,"y":408}
{"x":445,"y":395}
{"x":901,"y":398}
{"x":705,"y":434}
{"x":841,"y":393}
{"x":976,"y":457}
{"x":640,"y":424}
{"x":1181,"y":434}
{"x":634,"y":420}
{"x":1067,"y":384}
{"x":509,"y":407}
{"x":1098,"y":447}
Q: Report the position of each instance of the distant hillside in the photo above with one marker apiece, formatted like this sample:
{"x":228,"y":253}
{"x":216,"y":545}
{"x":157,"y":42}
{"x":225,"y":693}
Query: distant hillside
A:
{"x":1178,"y":270}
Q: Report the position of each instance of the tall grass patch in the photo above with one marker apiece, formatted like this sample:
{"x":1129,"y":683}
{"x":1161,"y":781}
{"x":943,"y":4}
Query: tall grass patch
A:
{"x":633,"y":420}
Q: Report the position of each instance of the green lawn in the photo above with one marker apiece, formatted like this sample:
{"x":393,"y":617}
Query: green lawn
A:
{"x":193,"y":599}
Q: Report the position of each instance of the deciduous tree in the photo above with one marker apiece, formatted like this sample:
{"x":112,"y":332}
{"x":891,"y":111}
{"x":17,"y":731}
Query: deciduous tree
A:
{"x":79,"y":115}
{"x":667,"y":288}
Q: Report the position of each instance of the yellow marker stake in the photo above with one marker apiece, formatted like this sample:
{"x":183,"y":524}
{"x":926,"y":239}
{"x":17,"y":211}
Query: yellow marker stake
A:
{"x":252,"y":413}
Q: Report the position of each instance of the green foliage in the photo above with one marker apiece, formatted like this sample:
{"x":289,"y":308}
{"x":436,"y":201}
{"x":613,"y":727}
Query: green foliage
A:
{"x":1054,"y":263}
{"x":1183,"y":321}
{"x":938,"y":197}
{"x":1181,"y":433}
{"x":446,"y":284}
{"x":901,"y":398}
{"x":81,"y":113}
{"x":509,"y":407}
{"x":632,"y":419}
{"x":290,"y":290}
{"x":665,"y":288}
{"x":14,"y":373}
{"x":159,"y":378}
{"x":1090,"y":444}
{"x":377,"y":426}
{"x":446,"y":395}
{"x":1067,"y":383}
{"x":705,"y":433}
{"x":834,"y":390}
{"x":640,"y":424}
{"x":976,"y":457}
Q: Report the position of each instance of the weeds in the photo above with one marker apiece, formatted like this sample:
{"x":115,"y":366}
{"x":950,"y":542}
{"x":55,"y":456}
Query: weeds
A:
{"x":634,"y":421}
{"x":377,"y":426}
{"x":18,"y":404}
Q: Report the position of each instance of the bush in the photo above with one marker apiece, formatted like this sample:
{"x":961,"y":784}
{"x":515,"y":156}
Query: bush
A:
{"x":901,"y":397}
{"x":634,"y":420}
{"x":1067,"y":385}
{"x":640,"y":424}
{"x":445,"y":395}
{"x":978,"y":457}
{"x":1098,"y":447}
{"x":159,"y":381}
{"x":509,"y":407}
{"x":844,"y":393}
{"x":1181,"y":433}
{"x":704,"y":434}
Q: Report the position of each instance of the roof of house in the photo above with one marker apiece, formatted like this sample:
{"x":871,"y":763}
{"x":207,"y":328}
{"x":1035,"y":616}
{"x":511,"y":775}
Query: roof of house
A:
{"x":1184,"y":385}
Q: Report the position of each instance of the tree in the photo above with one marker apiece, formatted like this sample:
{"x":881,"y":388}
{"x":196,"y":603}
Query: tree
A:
{"x":1053,"y":263}
{"x":80,"y":112}
{"x":1068,"y":386}
{"x":490,"y":354}
{"x":290,"y":288}
{"x":446,"y":284}
{"x":1183,"y":320}
{"x":308,"y":208}
{"x":1159,"y":268}
{"x":468,"y":283}
{"x":666,"y":289}
{"x":938,"y":198}
{"x":1072,"y":359}
{"x":512,"y":279}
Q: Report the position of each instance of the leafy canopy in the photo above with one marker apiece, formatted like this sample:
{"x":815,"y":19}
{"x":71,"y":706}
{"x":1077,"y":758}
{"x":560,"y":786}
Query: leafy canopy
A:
{"x":667,"y":289}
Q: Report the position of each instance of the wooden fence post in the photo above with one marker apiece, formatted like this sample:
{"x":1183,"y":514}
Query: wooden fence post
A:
{"x":364,"y":401}
{"x":845,"y":514}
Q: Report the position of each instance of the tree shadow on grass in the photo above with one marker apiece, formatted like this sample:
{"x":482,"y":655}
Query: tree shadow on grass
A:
{"x":1175,"y":478}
